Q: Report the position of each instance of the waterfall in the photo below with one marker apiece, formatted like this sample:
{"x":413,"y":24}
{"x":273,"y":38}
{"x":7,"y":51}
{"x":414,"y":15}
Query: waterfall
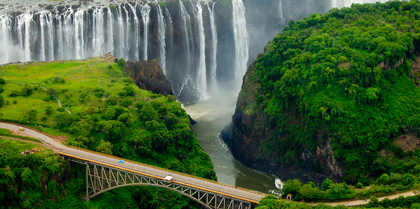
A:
{"x":126,"y":38}
{"x":79,"y":35}
{"x":49,"y":37}
{"x":42,"y":50}
{"x":4,"y":38}
{"x":282,"y":20}
{"x":198,"y":45}
{"x":241,"y":42}
{"x":109,"y":39}
{"x":201,"y":79}
{"x":59,"y":39}
{"x":213,"y":58}
{"x":145,"y":12}
{"x":186,"y":20}
{"x":170,"y":40}
{"x":120,"y":31}
{"x":162,"y":39}
{"x":98,"y":31}
{"x":136,"y":32}
{"x":24,"y":30}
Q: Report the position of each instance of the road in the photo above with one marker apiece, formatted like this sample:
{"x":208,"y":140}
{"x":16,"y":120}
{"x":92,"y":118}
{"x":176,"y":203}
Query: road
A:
{"x":199,"y":183}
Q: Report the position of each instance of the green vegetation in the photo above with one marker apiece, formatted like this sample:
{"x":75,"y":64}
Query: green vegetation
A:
{"x":344,"y":78}
{"x":35,"y":180}
{"x":331,"y":191}
{"x":108,"y":113}
{"x":272,"y":202}
{"x":6,"y":132}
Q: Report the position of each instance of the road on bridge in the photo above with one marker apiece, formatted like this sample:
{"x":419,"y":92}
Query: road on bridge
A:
{"x":195,"y":182}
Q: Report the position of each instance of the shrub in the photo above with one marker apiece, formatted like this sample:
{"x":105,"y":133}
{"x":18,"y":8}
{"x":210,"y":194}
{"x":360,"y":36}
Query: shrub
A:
{"x":111,"y":101}
{"x":121,"y":62}
{"x":359,"y":185}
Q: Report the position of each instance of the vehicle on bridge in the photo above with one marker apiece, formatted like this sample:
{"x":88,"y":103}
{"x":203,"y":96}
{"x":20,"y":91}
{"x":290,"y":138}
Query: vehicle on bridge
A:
{"x":168,"y":178}
{"x":121,"y":161}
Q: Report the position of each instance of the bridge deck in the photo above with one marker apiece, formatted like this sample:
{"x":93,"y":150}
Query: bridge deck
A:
{"x":160,"y":173}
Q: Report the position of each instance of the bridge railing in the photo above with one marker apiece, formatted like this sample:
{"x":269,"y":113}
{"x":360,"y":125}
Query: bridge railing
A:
{"x":167,"y":170}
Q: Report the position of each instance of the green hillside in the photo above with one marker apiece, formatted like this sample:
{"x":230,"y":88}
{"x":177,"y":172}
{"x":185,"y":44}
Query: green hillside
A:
{"x":102,"y":110}
{"x":346,"y":78}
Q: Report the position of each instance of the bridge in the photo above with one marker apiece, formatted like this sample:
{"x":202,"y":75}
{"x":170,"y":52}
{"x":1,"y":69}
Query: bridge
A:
{"x":106,"y":172}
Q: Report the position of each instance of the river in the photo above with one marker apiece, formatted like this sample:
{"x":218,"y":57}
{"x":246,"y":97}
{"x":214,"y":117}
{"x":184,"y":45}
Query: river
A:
{"x":212,"y":115}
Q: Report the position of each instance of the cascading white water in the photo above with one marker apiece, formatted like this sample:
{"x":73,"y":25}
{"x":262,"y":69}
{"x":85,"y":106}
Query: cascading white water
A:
{"x":162,"y":38}
{"x":98,"y":43}
{"x":109,"y":39}
{"x":145,"y":11}
{"x":24,"y":29}
{"x":282,"y":20}
{"x":170,"y":39}
{"x":42,"y":47}
{"x":126,"y":31}
{"x":136,"y":31}
{"x":186,"y":20}
{"x":241,"y":42}
{"x":4,"y":38}
{"x":213,"y":58}
{"x":201,"y":71}
{"x":79,"y":36}
{"x":68,"y":35}
{"x":120,"y":37}
{"x":49,"y":37}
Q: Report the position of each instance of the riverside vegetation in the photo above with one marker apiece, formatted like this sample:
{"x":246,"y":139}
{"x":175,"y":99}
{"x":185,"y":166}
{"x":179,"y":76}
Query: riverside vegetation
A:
{"x":107,"y":113}
{"x":349,"y":78}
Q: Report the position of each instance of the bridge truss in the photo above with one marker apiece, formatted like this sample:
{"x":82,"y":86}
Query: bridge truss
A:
{"x":100,"y":178}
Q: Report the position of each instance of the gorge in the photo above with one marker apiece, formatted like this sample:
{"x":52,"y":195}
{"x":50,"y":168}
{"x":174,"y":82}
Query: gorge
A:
{"x":203,"y":47}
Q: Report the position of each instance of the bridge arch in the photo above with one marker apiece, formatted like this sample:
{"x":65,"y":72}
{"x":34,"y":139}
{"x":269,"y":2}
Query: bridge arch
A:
{"x":100,"y":179}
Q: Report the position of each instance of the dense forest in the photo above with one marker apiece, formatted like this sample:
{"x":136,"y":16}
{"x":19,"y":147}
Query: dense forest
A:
{"x":342,"y":85}
{"x":102,"y":110}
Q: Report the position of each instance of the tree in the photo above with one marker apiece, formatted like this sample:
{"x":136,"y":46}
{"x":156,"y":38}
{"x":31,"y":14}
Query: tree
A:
{"x":326,"y":184}
{"x":416,"y":189}
{"x":2,"y":82}
{"x":30,"y":115}
{"x":104,"y":147}
{"x":292,"y":187}
{"x":308,"y":191}
{"x":1,"y":101}
{"x":26,"y":176}
{"x":111,"y":101}
{"x":415,"y":206}
{"x":63,"y":120}
{"x":49,"y":110}
{"x":26,"y":90}
{"x":121,"y":62}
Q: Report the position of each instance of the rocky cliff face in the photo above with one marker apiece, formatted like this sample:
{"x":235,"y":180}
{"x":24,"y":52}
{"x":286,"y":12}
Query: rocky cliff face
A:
{"x":249,"y":128}
{"x":149,"y":76}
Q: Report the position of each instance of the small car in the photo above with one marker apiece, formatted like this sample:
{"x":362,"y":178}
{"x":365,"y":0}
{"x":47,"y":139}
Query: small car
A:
{"x":168,"y":179}
{"x":121,"y":161}
{"x":21,"y":129}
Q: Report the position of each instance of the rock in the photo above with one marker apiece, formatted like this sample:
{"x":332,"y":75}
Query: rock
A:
{"x":148,"y":75}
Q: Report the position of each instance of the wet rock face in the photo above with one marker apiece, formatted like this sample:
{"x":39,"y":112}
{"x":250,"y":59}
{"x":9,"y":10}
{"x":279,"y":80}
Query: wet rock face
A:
{"x":149,"y":76}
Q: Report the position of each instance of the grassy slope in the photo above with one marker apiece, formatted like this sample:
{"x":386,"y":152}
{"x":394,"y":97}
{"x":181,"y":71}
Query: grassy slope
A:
{"x":76,"y":84}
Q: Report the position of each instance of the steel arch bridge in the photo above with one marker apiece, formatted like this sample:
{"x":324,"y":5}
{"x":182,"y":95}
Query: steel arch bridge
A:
{"x":102,"y":177}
